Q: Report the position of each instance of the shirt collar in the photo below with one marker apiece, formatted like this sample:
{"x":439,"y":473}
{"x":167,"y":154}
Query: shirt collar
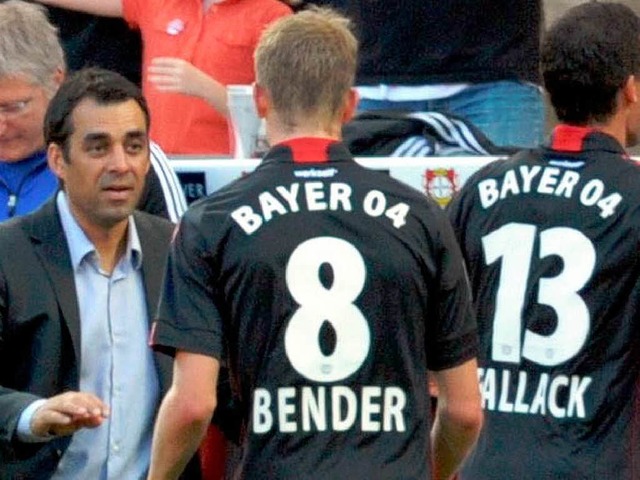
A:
{"x":23,"y":167}
{"x":79,"y":244}
{"x":308,"y":150}
{"x":38,"y":156}
{"x":576,"y":139}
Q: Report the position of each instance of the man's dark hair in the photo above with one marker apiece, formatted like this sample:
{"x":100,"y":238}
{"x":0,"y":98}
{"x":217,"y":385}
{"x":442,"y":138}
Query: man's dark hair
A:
{"x":103,"y":86}
{"x":587,"y":56}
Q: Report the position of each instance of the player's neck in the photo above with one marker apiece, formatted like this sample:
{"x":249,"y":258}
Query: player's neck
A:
{"x":278,"y":133}
{"x":616,"y":127}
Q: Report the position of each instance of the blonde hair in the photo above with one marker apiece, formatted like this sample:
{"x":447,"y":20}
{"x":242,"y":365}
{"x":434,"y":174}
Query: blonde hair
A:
{"x":29,"y":44}
{"x":307,"y":64}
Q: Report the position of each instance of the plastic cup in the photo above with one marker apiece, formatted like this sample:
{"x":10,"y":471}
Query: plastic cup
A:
{"x":244,"y":122}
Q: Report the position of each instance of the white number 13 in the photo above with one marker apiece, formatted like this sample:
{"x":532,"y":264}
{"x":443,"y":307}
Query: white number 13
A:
{"x":514,"y":243}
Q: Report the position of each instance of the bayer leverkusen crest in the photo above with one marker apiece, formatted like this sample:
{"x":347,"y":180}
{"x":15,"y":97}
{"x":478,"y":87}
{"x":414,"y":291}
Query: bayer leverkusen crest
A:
{"x":440,"y":184}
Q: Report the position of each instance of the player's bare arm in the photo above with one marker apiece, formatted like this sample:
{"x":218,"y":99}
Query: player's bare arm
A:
{"x":458,"y":418}
{"x":107,"y":8}
{"x":185,"y":413}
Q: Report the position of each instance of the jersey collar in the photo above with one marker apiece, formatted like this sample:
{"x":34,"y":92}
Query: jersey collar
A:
{"x":310,"y":150}
{"x":574,"y":139}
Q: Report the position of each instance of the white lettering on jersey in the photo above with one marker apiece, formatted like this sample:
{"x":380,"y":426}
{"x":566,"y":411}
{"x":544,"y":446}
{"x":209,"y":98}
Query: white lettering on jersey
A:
{"x":262,"y":416}
{"x":560,"y":396}
{"x":316,"y":173}
{"x":514,"y":245}
{"x":270,"y":205}
{"x":550,"y":181}
{"x":488,"y":191}
{"x":290,"y":196}
{"x":593,"y":194}
{"x":315,"y":196}
{"x":375,"y":204}
{"x":306,"y":409}
{"x":314,"y":193}
{"x":339,"y":408}
{"x":249,"y":220}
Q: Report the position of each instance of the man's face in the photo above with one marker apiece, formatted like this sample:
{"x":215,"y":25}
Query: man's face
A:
{"x":23,"y":104}
{"x":108,"y":158}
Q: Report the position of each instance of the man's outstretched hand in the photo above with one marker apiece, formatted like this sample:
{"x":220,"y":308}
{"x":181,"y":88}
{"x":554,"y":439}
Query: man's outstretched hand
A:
{"x":68,"y":412}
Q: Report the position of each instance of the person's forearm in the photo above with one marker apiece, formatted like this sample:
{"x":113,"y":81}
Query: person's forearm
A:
{"x":451,"y":443}
{"x":176,"y":438}
{"x":177,"y":75}
{"x":214,"y":93}
{"x":107,"y":8}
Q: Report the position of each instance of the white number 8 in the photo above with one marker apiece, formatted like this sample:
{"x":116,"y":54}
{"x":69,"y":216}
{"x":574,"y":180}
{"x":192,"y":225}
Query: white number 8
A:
{"x":319,"y":304}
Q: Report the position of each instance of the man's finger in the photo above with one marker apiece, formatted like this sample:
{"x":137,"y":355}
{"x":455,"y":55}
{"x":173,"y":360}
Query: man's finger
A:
{"x":77,"y":404}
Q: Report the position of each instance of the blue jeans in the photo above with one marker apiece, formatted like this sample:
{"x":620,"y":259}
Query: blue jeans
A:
{"x":507,"y":112}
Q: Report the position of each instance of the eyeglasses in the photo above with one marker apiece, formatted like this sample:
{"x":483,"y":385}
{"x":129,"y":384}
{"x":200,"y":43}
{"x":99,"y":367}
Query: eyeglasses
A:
{"x":14,"y":109}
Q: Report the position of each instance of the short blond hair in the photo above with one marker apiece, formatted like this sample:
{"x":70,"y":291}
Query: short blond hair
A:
{"x":29,"y":44}
{"x":307,"y":64}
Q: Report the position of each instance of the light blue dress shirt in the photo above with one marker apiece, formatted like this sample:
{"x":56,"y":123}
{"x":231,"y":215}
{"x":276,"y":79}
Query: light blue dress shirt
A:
{"x":116,"y":362}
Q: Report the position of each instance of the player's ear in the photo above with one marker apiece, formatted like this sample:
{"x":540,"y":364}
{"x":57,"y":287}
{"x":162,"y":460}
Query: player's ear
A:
{"x":56,"y":161}
{"x":262,"y":100}
{"x":630,"y":89}
{"x":351,"y":105}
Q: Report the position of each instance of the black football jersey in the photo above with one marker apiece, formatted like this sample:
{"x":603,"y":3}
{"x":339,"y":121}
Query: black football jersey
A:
{"x":329,"y":290}
{"x":551,"y":240}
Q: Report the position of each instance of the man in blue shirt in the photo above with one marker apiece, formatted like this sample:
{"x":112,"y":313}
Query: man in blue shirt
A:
{"x":32,"y":67}
{"x":79,"y":279}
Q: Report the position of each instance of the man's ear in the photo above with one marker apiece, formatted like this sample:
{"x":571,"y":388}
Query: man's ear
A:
{"x":56,"y":161}
{"x":630,"y":89}
{"x":351,"y":105}
{"x":58,"y":77}
{"x":262,"y":100}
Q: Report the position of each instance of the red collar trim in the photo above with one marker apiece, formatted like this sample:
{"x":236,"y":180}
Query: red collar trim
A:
{"x":309,"y":149}
{"x":569,"y":138}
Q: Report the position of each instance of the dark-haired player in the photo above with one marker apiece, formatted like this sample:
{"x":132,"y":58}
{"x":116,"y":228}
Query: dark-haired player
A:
{"x":551,"y":238}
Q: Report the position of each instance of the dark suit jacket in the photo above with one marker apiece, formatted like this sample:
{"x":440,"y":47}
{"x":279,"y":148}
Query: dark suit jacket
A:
{"x":40,"y":326}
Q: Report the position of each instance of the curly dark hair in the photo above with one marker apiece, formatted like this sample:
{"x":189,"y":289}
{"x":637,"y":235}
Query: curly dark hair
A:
{"x":587,"y":56}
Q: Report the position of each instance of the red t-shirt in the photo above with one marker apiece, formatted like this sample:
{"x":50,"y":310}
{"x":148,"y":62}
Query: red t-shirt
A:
{"x":219,"y":42}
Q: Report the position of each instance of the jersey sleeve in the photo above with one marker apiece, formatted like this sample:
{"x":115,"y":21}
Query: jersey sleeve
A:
{"x":452,"y":338}
{"x":454,"y":213}
{"x":188,"y":318}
